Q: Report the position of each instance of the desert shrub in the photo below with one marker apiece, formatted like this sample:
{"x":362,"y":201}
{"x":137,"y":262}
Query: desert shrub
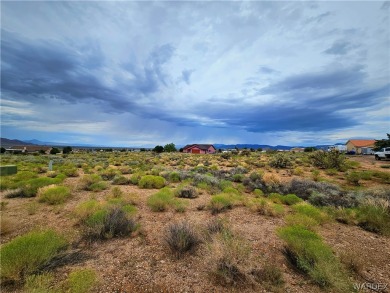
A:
{"x":108,"y":173}
{"x":164,"y":199}
{"x":304,"y":188}
{"x":228,"y":259}
{"x":25,"y":254}
{"x":311,"y":211}
{"x":353,"y":178}
{"x":116,"y":192}
{"x":270,"y":276}
{"x":181,"y":238}
{"x":53,"y":194}
{"x":108,"y":222}
{"x":39,"y":283}
{"x":301,"y":220}
{"x":383,"y":177}
{"x":224,"y":201}
{"x":315,"y":175}
{"x":151,"y":181}
{"x":238,"y":177}
{"x":215,"y":225}
{"x":265,"y":207}
{"x":98,"y":186}
{"x":120,"y":180}
{"x":331,"y":172}
{"x":186,"y":192}
{"x":374,"y":219}
{"x":87,"y":208}
{"x":306,"y":250}
{"x":290,"y":199}
{"x":86,"y":181}
{"x":174,"y":177}
{"x":343,"y":215}
{"x":30,"y":187}
{"x":258,"y":192}
{"x":280,"y":161}
{"x":81,"y":280}
{"x":298,"y":171}
{"x":135,"y":178}
{"x":12,"y":182}
{"x":328,"y":160}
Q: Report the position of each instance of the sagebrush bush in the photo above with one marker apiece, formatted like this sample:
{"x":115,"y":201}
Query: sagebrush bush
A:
{"x":120,"y":180}
{"x":88,"y":180}
{"x":328,"y":160}
{"x":108,"y":222}
{"x":151,"y":181}
{"x":186,"y":192}
{"x":53,"y":194}
{"x":280,"y":161}
{"x":306,"y":250}
{"x":25,"y":254}
{"x":181,"y":238}
{"x":228,"y":259}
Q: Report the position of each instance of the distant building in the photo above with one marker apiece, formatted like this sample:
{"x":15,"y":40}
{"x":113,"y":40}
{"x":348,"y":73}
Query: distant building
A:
{"x":28,"y":149}
{"x":199,"y":149}
{"x":297,"y":150}
{"x":356,"y":145}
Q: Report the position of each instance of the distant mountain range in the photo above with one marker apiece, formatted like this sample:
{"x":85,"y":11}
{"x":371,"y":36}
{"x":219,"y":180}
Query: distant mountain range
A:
{"x":5,"y":142}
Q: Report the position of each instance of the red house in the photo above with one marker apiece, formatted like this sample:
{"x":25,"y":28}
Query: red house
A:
{"x":199,"y":149}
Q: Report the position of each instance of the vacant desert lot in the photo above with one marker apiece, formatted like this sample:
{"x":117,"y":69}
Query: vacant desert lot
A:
{"x":238,"y":209}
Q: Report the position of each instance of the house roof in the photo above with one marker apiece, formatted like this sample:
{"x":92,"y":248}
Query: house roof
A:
{"x":200,"y":146}
{"x":362,"y":142}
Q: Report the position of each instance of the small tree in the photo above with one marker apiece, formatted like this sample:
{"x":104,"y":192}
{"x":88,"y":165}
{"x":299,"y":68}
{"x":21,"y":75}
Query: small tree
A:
{"x":2,"y":150}
{"x":170,"y":147}
{"x":158,"y":149}
{"x":67,"y":150}
{"x":309,"y":149}
{"x":383,"y":143}
{"x":54,"y":151}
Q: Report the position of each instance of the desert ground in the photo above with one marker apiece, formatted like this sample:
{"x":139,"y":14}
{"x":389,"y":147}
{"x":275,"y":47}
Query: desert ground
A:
{"x":143,"y":261}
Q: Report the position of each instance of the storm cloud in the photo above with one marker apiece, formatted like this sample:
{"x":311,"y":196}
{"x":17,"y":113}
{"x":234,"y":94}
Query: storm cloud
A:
{"x":146,"y":73}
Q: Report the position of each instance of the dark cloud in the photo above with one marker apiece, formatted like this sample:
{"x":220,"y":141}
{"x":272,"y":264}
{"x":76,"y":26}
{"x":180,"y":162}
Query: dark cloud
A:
{"x":339,"y":47}
{"x":326,"y":79}
{"x":46,"y":69}
{"x":266,"y":70}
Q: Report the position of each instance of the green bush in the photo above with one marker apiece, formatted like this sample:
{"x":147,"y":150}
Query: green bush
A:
{"x":280,"y":161}
{"x":87,"y":181}
{"x":30,"y":187}
{"x":306,"y":250}
{"x":164,"y":199}
{"x":174,"y":177}
{"x":81,"y":280}
{"x":108,"y":221}
{"x":225,"y":200}
{"x":265,"y":207}
{"x":301,"y":220}
{"x":374,"y":219}
{"x":120,"y":180}
{"x":291,"y":199}
{"x":353,"y":178}
{"x":151,"y":181}
{"x":25,"y":254}
{"x":39,"y":283}
{"x":98,"y":186}
{"x":258,"y":192}
{"x":53,"y":194}
{"x":311,"y":211}
{"x":328,"y":160}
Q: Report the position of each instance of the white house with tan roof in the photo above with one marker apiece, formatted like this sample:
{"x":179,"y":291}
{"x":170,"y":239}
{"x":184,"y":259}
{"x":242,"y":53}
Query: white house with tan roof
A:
{"x":356,"y":145}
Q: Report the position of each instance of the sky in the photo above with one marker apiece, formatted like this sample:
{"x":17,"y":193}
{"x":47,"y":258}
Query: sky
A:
{"x":148,"y":73}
